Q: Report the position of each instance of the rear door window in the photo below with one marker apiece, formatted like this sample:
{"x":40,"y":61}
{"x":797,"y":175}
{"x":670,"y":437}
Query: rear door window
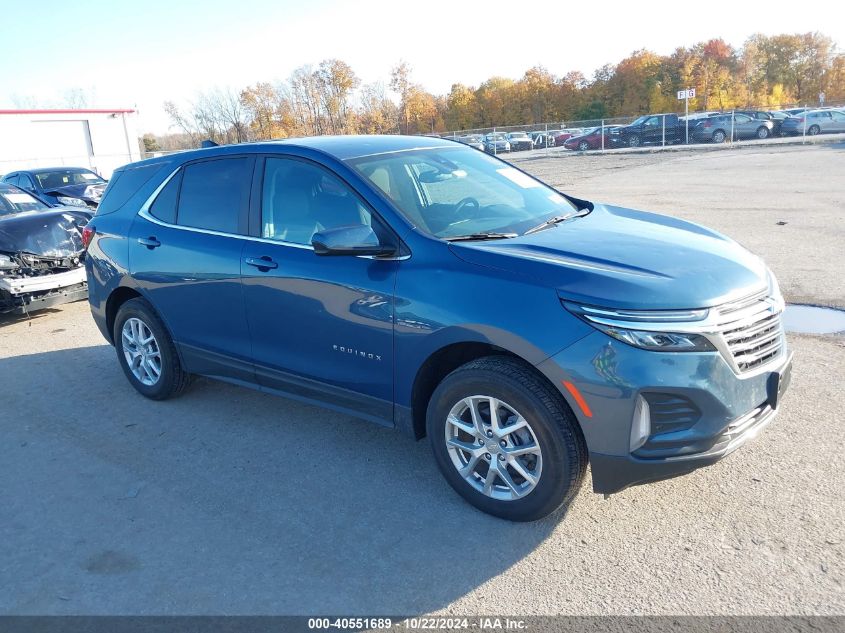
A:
{"x":215,"y":194}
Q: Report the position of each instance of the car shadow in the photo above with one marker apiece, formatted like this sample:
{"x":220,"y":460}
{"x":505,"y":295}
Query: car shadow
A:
{"x":10,"y":318}
{"x":225,"y":500}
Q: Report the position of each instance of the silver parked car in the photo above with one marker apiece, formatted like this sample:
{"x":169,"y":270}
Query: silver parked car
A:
{"x":717,"y":129}
{"x":496,"y":143}
{"x":472,"y":140}
{"x":815,"y":122}
{"x":520,"y":141}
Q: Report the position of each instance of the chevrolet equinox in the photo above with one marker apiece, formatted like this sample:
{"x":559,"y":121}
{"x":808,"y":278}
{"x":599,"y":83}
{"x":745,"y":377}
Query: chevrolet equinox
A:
{"x":427,"y":286}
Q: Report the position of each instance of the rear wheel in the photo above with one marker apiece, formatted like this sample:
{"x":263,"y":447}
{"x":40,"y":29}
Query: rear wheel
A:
{"x":813,"y":130}
{"x":505,"y":441}
{"x":146,"y":352}
{"x":762,"y":132}
{"x":719,"y":136}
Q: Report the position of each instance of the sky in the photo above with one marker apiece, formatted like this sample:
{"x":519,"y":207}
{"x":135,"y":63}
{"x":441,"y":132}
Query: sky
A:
{"x":139,"y":54}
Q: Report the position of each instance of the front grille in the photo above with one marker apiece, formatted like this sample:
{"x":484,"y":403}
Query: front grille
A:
{"x":752,"y":331}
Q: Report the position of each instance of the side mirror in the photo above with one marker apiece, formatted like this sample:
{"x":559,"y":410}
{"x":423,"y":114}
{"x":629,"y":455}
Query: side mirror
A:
{"x":350,"y":240}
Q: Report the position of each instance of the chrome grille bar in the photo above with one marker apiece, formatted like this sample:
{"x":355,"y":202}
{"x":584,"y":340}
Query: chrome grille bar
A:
{"x":751,"y":331}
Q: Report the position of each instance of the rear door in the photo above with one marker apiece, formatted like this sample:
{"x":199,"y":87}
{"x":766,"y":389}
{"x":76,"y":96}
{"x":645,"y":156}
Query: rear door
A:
{"x":744,"y":126}
{"x":185,"y":253}
{"x":837,"y":121}
{"x":322,"y":327}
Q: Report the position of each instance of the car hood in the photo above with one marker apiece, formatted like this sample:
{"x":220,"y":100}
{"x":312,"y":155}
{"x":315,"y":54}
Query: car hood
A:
{"x":54,"y":233}
{"x":77,"y":191}
{"x":626,"y":259}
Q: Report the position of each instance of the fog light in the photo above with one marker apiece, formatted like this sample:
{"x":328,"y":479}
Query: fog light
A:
{"x":640,"y":424}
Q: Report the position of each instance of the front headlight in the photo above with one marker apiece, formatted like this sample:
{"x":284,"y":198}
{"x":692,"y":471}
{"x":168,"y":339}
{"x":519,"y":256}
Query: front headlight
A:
{"x":74,"y":202}
{"x":647,"y":329}
{"x":660,"y":341}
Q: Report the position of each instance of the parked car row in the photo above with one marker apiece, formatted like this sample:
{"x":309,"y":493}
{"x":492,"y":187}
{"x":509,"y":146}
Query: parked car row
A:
{"x":669,"y":129}
{"x":502,"y":142}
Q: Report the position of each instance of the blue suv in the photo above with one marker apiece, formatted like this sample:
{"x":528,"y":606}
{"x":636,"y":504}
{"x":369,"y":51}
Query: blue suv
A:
{"x":427,"y":286}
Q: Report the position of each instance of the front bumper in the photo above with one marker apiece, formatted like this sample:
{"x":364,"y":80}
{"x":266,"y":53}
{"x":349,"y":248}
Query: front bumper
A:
{"x":25,"y":294}
{"x":701,"y":410}
{"x":614,"y":473}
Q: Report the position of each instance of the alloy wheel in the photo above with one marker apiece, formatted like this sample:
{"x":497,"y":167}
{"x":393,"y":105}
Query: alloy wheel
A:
{"x":141,"y":350}
{"x":493,"y":447}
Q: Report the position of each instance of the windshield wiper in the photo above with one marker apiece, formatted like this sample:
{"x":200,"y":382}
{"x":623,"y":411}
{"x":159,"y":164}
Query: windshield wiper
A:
{"x":479,"y":236}
{"x":556,"y":220}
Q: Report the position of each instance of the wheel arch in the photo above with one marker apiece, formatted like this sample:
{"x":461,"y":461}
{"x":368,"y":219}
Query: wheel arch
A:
{"x":447,"y":359}
{"x":117,"y":298}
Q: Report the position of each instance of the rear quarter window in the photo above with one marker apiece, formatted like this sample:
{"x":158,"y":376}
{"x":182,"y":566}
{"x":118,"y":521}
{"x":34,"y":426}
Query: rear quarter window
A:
{"x":124,"y":184}
{"x":164,"y":206}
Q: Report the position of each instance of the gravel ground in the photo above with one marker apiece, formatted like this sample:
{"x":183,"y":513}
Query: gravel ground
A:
{"x":230,"y":501}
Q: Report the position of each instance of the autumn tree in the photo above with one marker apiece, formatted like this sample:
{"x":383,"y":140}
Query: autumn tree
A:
{"x":336,"y":81}
{"x":461,"y":108}
{"x":377,"y":114}
{"x":400,"y":83}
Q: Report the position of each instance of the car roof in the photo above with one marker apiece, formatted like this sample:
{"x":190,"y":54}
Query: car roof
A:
{"x":339,"y":147}
{"x":44,"y":170}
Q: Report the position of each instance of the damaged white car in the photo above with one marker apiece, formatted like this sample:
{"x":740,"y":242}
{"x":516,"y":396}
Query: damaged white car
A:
{"x":41,"y":252}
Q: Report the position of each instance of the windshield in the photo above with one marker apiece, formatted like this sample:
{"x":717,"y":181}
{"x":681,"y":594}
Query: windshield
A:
{"x":448,"y":192}
{"x":518,"y":135}
{"x":65,"y":177}
{"x":640,"y":120}
{"x":16,"y":201}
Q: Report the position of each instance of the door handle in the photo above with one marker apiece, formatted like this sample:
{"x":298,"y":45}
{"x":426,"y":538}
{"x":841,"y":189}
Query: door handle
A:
{"x":149,"y":242}
{"x":262,"y":263}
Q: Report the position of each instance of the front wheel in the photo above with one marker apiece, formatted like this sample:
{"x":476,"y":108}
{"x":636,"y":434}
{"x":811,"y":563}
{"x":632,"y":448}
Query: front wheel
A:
{"x":634,"y":141}
{"x":146,"y":352}
{"x":813,"y":130}
{"x":762,"y":132}
{"x":583,"y":146}
{"x":505,"y":441}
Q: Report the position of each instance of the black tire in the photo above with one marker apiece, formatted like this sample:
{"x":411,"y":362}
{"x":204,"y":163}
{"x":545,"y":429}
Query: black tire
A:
{"x":173,"y":380}
{"x":813,"y":130}
{"x":720,"y":136}
{"x":762,"y":132}
{"x":564,"y":451}
{"x":583,"y":146}
{"x":634,"y":141}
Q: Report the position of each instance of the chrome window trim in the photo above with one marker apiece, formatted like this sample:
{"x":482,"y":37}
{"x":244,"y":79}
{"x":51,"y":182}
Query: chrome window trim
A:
{"x":144,"y":212}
